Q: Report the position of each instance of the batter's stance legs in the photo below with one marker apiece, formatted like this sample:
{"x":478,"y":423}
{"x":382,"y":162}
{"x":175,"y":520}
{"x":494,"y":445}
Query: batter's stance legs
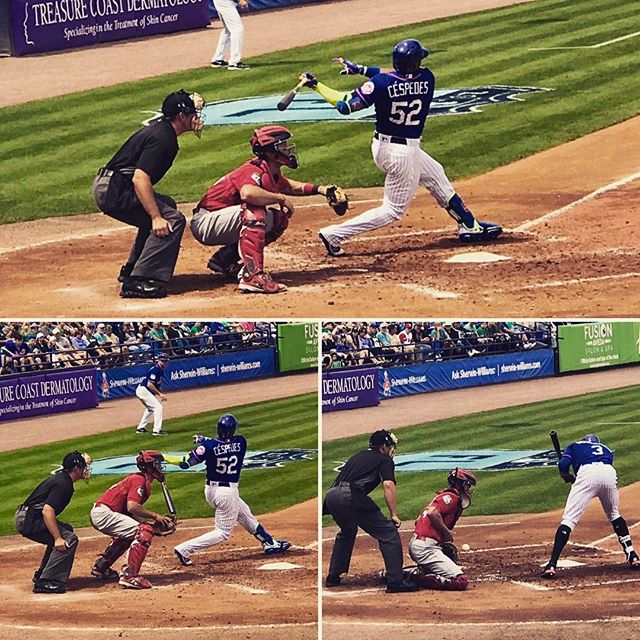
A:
{"x":562,"y":537}
{"x":622,"y":531}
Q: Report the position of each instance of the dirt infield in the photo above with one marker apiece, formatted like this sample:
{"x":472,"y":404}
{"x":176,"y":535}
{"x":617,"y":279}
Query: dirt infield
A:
{"x":571,"y":249}
{"x":224,"y":592}
{"x":506,"y":598}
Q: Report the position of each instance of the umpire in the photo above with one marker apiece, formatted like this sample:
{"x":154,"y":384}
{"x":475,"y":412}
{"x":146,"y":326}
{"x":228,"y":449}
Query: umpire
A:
{"x":350,"y":506}
{"x":36,"y":519}
{"x":123,"y":189}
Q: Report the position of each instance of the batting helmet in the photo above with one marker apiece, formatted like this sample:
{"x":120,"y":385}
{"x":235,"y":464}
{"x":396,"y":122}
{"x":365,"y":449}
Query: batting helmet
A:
{"x":227,"y":427}
{"x":407,"y":56}
{"x":591,"y":437}
{"x":273,"y":139}
{"x":162,"y":357}
{"x":383,"y":437}
{"x":150,"y":462}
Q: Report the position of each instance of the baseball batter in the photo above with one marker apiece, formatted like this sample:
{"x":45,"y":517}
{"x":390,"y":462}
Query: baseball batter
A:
{"x":401,"y":98}
{"x":223,"y":457}
{"x":119,"y":513}
{"x":594,"y":476}
{"x":148,"y":392}
{"x":433,"y":528}
{"x":232,"y":35}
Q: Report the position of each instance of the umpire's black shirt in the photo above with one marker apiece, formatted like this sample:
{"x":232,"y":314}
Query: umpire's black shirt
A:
{"x":152,"y":149}
{"x":56,"y":491}
{"x":366,"y":470}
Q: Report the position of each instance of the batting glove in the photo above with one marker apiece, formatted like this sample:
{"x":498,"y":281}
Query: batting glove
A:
{"x":308,"y":79}
{"x":350,"y":68}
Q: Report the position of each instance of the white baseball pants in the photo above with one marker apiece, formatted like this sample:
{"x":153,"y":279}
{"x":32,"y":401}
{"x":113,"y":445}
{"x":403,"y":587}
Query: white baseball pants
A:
{"x":230,"y":508}
{"x":232,"y":34}
{"x":406,"y":166}
{"x":596,"y":480}
{"x":153,"y":408}
{"x":428,"y":553}
{"x":117,"y":525}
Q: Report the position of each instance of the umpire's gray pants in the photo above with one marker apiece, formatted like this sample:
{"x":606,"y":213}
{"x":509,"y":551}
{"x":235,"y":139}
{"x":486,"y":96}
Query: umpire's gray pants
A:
{"x":55,"y":565}
{"x":338,"y":502}
{"x":153,"y":258}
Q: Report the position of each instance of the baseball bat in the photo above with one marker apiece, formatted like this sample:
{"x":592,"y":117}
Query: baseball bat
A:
{"x":286,"y":101}
{"x":171,"y":507}
{"x":555,"y":441}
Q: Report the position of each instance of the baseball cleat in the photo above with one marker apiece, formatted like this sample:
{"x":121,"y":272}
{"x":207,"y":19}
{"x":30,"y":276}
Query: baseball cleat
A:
{"x":332,"y":581}
{"x":143,"y":430}
{"x":549,"y":573}
{"x":479,"y":232}
{"x":142,"y":288}
{"x":241,"y":66}
{"x":134,"y":582}
{"x":107,"y":574}
{"x":334,"y":250}
{"x":159,"y":433}
{"x":125,"y":271}
{"x":48,"y":586}
{"x":218,"y":63}
{"x":260,"y":282}
{"x":278,"y":546}
{"x":634,"y":561}
{"x":402,"y":587}
{"x":184,"y":560}
{"x":225,"y":262}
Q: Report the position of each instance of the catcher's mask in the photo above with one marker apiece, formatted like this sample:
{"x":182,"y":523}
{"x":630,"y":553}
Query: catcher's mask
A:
{"x":407,"y":56}
{"x":188,"y":104}
{"x":463,"y":481}
{"x":271,"y":141}
{"x":384,"y":438}
{"x":151,"y":462}
{"x":227,"y":427}
{"x":80,"y":460}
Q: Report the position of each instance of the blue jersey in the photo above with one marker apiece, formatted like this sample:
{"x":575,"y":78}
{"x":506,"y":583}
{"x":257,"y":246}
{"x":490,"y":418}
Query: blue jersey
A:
{"x":153,"y":374}
{"x":584,"y":452}
{"x":222,"y":459}
{"x":401,"y":104}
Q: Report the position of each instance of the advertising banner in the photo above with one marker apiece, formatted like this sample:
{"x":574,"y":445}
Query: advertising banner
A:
{"x":470,"y":372}
{"x":22,"y":396}
{"x":350,"y":389}
{"x":598,"y":344}
{"x":189,"y":372}
{"x":298,"y":346}
{"x":47,"y":25}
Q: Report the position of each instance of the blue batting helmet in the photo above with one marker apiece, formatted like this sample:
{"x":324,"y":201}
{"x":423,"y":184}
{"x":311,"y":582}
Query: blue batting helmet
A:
{"x":227,"y":426}
{"x":591,"y":437}
{"x":407,"y":56}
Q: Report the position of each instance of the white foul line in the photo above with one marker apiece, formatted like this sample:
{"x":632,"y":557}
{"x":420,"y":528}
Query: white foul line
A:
{"x":590,"y":46}
{"x":590,"y":196}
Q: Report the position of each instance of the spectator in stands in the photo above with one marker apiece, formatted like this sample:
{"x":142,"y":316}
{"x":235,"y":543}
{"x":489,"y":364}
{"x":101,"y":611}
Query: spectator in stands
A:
{"x":407,"y":341}
{"x":65,"y":355}
{"x":137,"y":348}
{"x":177,"y":345}
{"x":200,"y":336}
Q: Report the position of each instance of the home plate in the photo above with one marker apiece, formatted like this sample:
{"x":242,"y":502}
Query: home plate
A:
{"x":279,"y":566}
{"x":477,"y":256}
{"x":566,"y":563}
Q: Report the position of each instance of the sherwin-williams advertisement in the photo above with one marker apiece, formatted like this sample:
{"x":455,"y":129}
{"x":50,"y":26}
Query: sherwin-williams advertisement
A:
{"x":598,"y":344}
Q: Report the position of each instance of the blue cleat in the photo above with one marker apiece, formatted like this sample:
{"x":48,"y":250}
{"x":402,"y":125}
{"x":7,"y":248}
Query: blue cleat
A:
{"x":479,"y":232}
{"x":278,"y":546}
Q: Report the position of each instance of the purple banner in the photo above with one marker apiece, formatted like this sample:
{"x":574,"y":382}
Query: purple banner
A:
{"x":350,"y":389}
{"x":22,"y":396}
{"x":47,"y":25}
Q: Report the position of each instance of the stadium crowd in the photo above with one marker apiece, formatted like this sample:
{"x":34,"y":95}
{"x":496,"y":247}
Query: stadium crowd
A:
{"x":36,"y":346}
{"x":355,"y":344}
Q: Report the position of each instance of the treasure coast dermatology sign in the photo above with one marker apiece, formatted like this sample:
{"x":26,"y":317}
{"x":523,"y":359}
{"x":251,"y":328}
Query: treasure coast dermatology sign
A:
{"x":45,"y":25}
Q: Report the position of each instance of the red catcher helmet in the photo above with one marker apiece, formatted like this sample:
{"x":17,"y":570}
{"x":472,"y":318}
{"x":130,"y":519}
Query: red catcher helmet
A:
{"x":151,"y":462}
{"x":273,"y":139}
{"x":463,"y":481}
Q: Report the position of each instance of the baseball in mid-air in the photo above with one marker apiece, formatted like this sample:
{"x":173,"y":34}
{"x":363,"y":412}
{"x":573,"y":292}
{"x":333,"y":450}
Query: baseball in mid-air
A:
{"x":465,"y":547}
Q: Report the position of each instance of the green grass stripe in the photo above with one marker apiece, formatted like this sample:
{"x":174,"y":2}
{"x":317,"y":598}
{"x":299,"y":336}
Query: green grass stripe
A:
{"x":514,"y":428}
{"x":276,"y":424}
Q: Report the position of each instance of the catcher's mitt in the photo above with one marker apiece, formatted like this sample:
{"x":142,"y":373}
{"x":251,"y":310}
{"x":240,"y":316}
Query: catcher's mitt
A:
{"x":450,"y":550}
{"x":165,"y":527}
{"x":337,"y":199}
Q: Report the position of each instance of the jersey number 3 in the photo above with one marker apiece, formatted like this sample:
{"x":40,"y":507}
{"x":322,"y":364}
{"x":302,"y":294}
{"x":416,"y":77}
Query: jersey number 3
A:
{"x":226,"y":465}
{"x":403,"y":112}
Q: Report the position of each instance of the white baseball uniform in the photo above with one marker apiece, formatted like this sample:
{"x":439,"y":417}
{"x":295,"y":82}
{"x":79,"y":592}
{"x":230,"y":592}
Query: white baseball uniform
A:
{"x":232,"y":34}
{"x":153,"y":409}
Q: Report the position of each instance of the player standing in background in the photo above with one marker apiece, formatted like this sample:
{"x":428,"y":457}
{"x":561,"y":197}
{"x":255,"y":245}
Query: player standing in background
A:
{"x":436,"y":570}
{"x":401,"y":98}
{"x":223,"y":457}
{"x":349,"y":504}
{"x":231,"y":36}
{"x":594,"y":476}
{"x":148,"y":392}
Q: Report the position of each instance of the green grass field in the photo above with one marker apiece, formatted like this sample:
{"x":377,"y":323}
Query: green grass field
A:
{"x":613,"y":415}
{"x":286,"y":423}
{"x":52,"y":148}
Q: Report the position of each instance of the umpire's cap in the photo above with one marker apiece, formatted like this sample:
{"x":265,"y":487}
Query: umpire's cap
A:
{"x":178,"y":102}
{"x":382,"y":437}
{"x":72,"y":460}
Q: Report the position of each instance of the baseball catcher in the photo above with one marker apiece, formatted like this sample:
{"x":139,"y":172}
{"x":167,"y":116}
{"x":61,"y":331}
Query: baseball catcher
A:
{"x":594,"y":476}
{"x":119,"y":513}
{"x":431,"y":546}
{"x":250,"y":208}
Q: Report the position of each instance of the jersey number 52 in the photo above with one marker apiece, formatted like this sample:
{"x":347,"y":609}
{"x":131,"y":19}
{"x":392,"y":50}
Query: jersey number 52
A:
{"x":226,"y":465}
{"x":403,"y":112}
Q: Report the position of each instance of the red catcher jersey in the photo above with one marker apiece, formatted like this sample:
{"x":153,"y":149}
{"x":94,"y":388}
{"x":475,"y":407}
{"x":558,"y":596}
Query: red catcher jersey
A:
{"x":447,"y":502}
{"x":226,"y":191}
{"x":134,"y":487}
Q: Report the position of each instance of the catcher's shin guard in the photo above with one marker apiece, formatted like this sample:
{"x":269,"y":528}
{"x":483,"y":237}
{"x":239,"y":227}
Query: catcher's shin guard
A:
{"x":252,"y":239}
{"x":115,"y":549}
{"x":280,"y":224}
{"x":139,"y":548}
{"x":430,"y":581}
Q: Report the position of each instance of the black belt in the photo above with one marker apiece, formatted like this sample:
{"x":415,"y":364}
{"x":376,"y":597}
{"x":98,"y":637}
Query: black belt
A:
{"x":213,"y":483}
{"x":107,"y":173}
{"x":394,"y":139}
